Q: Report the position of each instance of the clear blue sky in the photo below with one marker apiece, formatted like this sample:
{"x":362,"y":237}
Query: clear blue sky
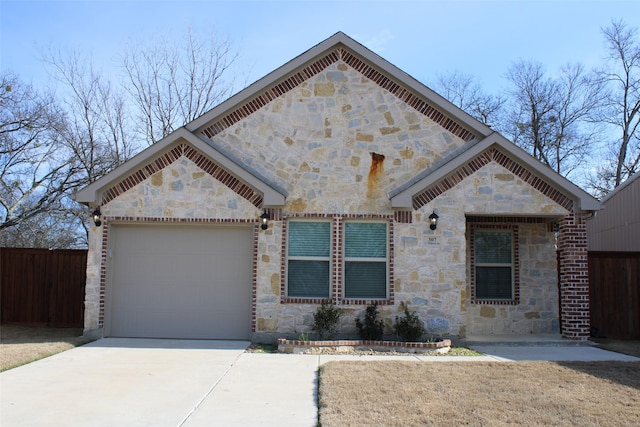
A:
{"x":423,"y":38}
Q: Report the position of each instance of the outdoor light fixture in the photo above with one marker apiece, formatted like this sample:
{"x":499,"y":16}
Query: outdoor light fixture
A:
{"x":96,"y":217}
{"x":265,"y":220}
{"x":433,"y":219}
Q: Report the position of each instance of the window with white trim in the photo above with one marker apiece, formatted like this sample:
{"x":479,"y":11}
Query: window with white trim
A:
{"x":366,"y":263}
{"x":308,"y":259}
{"x":493,"y":264}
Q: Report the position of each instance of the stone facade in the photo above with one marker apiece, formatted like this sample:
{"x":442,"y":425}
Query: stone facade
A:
{"x":338,"y":143}
{"x":180,"y":192}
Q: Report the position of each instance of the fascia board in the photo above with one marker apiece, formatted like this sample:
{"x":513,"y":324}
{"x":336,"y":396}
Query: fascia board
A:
{"x":265,"y":82}
{"x":91,"y":193}
{"x":404,"y":199}
{"x":271,"y":196}
{"x":455,"y":113}
{"x":620,"y":187}
{"x":585,"y":201}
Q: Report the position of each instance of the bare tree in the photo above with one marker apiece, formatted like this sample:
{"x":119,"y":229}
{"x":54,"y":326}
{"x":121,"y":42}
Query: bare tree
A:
{"x":57,"y":228}
{"x":551,"y":117}
{"x":172,"y":84}
{"x":35,"y":169}
{"x":465,"y":92}
{"x":99,"y":130}
{"x":622,"y":111}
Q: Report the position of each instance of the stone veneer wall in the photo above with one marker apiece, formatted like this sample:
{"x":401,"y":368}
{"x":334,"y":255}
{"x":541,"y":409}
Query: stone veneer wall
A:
{"x":181,"y":193}
{"x":431,"y":267}
{"x":339,"y":143}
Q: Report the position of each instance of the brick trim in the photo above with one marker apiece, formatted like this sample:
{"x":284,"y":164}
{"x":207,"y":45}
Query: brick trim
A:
{"x":474,"y":219}
{"x":337,"y":275}
{"x":484,"y":158}
{"x":403,"y":217}
{"x":368,"y":71}
{"x":337,"y":255}
{"x":103,"y":271}
{"x":254,"y":280}
{"x":172,"y":155}
{"x":573,"y":275}
{"x":515,"y":300}
{"x":275,"y":214}
{"x":107,"y":222}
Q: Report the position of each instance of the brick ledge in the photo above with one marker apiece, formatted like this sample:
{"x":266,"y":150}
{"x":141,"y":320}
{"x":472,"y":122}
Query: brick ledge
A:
{"x":344,"y":346}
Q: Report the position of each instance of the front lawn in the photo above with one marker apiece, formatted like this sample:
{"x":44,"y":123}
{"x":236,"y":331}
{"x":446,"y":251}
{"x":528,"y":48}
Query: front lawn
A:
{"x":399,"y":393}
{"x":20,"y":345}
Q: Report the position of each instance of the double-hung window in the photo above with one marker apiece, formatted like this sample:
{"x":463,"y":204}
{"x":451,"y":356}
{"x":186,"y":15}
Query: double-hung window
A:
{"x":493,"y":264}
{"x":308,"y":259}
{"x":365,"y":260}
{"x":336,"y":258}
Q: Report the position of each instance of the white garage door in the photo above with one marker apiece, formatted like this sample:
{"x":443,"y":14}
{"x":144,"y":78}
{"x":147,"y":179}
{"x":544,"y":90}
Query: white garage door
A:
{"x":179,"y":282}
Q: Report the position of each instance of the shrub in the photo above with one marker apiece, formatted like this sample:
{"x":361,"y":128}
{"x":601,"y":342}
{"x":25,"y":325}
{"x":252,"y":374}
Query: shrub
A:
{"x":325,"y":320}
{"x":408,"y":327}
{"x":372,"y":328}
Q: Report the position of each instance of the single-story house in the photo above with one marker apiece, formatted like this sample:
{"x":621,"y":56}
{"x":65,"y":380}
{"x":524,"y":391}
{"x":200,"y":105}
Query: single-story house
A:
{"x":335,"y":177}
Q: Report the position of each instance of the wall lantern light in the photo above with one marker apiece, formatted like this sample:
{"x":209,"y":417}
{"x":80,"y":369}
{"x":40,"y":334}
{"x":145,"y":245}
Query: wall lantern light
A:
{"x":96,"y":217}
{"x":433,"y":219}
{"x":265,"y":220}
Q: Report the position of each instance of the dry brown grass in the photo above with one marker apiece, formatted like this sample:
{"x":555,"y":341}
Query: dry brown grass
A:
{"x":630,"y":347}
{"x":399,"y":393}
{"x":20,"y":345}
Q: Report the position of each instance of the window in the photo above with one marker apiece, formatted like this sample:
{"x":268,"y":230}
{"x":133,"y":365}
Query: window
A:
{"x":340,"y":258}
{"x":493,"y":264}
{"x":308,"y":259}
{"x":365,"y":260}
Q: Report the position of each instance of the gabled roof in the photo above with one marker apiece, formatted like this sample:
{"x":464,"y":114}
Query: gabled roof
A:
{"x":151,"y":159}
{"x":339,"y":47}
{"x":452,"y":169}
{"x":201,"y":132}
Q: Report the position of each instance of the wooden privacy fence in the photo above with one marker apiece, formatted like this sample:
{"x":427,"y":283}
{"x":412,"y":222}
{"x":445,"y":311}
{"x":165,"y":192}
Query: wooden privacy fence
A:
{"x":43,"y":287}
{"x":614,"y":282}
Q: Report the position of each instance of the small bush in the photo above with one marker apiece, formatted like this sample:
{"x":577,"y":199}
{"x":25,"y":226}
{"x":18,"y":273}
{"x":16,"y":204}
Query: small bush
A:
{"x":372,"y":328}
{"x":325,"y":320}
{"x":408,"y":327}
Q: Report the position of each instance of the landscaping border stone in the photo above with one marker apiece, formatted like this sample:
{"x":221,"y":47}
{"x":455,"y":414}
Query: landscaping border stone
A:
{"x":348,"y":346}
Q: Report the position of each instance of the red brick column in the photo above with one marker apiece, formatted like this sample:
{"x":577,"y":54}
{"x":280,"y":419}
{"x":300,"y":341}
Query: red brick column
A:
{"x":574,"y":277}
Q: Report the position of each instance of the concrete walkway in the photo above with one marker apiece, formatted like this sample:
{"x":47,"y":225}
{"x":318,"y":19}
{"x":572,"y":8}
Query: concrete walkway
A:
{"x":142,"y":382}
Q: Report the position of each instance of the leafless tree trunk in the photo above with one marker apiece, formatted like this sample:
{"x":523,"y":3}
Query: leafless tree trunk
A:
{"x":99,"y":132}
{"x":172,"y":84}
{"x":551,"y":117}
{"x":622,"y":111}
{"x":35,"y":168}
{"x":465,"y":92}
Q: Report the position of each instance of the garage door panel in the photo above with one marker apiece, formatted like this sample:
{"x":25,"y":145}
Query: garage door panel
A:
{"x":180,"y":282}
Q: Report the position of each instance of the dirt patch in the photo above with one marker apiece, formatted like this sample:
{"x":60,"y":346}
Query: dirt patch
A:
{"x":20,"y":345}
{"x":398,"y":393}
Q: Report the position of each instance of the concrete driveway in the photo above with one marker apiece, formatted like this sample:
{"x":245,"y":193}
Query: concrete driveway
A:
{"x":143,"y":382}
{"x":146,"y":382}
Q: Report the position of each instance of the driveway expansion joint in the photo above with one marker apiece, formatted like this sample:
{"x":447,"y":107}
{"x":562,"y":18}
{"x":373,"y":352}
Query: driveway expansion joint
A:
{"x":208,"y":393}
